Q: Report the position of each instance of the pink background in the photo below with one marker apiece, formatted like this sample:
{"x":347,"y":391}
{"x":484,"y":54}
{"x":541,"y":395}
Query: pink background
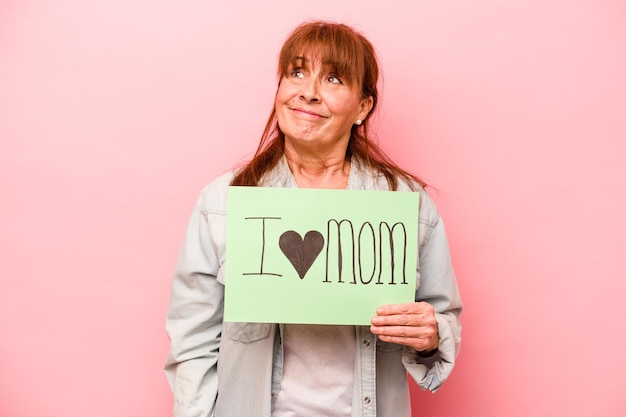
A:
{"x":113,"y":115}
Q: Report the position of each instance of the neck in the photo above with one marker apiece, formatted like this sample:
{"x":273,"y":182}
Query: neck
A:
{"x":313,"y":171}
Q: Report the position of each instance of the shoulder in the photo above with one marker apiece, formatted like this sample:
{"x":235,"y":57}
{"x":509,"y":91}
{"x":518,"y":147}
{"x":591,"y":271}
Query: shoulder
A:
{"x":214,"y":196}
{"x":428,"y":216}
{"x":370,"y":179}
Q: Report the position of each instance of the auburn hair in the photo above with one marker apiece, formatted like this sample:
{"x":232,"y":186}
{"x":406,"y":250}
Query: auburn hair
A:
{"x":352,"y":57}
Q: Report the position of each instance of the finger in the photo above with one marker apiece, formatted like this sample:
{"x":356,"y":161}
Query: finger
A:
{"x":395,"y":331}
{"x":404,"y":308}
{"x":400,"y":320}
{"x":404,"y":331}
{"x":419,"y":344}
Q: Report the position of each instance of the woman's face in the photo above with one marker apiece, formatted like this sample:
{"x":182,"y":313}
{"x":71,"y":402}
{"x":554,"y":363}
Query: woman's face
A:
{"x":316,"y":108}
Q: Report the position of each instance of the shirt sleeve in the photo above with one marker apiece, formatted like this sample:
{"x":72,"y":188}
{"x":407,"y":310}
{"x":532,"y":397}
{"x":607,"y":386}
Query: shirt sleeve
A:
{"x":436,"y":285}
{"x":194,"y":318}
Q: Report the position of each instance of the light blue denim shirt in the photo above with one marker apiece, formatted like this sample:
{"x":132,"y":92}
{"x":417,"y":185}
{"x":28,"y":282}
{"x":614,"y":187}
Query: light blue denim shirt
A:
{"x":225,"y":369}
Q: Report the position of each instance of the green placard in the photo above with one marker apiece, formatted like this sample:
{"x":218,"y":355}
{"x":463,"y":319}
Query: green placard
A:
{"x":318,"y":256}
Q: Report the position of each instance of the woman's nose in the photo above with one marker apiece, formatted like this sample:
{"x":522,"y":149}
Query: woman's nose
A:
{"x":310,"y":91}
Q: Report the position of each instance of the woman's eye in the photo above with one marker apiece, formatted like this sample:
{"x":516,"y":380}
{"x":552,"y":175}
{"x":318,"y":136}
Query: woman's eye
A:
{"x":297,"y":72}
{"x":334,"y":79}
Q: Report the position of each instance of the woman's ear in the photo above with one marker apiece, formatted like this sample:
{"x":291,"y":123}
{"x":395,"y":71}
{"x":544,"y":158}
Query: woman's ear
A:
{"x":366,"y":106}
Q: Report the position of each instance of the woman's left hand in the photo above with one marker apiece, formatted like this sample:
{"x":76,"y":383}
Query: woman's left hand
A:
{"x":409,"y":324}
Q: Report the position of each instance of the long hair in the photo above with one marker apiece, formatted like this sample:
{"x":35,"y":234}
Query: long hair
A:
{"x":353,"y":57}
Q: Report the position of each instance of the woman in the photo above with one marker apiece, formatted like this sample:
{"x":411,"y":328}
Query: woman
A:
{"x":317,"y":136}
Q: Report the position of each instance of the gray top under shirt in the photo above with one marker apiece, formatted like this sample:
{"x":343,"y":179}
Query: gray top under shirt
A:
{"x":318,"y":371}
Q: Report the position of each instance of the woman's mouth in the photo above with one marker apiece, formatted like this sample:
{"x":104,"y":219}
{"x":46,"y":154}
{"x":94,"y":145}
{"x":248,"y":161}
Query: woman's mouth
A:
{"x":308,"y":113}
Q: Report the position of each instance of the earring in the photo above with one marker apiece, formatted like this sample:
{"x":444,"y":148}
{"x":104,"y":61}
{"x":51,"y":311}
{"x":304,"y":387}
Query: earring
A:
{"x":359,"y":121}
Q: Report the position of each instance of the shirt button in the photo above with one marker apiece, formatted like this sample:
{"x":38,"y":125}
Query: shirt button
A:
{"x":367,"y":400}
{"x":366,"y":342}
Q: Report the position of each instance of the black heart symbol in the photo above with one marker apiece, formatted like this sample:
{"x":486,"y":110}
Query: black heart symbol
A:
{"x":301,"y":252}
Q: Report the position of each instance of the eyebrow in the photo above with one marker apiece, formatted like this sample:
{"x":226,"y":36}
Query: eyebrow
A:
{"x":300,"y":60}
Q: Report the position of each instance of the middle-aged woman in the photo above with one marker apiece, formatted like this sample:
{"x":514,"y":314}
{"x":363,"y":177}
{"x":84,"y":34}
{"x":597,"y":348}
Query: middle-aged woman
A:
{"x":317,"y":136}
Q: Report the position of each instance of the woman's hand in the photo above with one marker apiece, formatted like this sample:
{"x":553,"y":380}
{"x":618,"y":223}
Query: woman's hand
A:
{"x":409,"y":324}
